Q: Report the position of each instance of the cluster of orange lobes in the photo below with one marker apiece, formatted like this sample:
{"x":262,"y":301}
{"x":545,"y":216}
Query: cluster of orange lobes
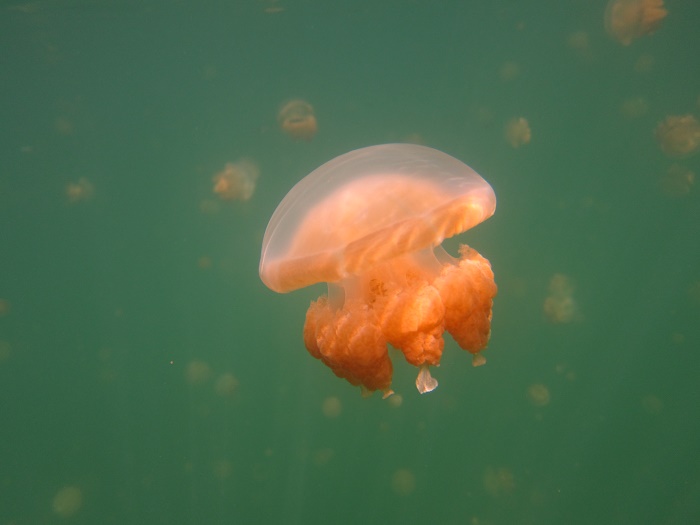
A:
{"x":370,"y":223}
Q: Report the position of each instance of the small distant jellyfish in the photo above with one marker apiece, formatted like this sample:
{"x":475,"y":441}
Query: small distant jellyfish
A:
{"x":396,"y":401}
{"x":499,"y":481}
{"x":67,"y":501}
{"x":237,"y":180}
{"x":64,"y":126}
{"x":79,"y":191}
{"x":323,"y":456}
{"x":679,"y":135}
{"x":538,"y":394}
{"x":560,"y":306}
{"x":226,"y":385}
{"x":580,"y":43}
{"x":677,"y":181}
{"x":204,"y":262}
{"x":652,"y":404}
{"x":509,"y":71}
{"x":197,"y":372}
{"x":272,"y":7}
{"x":403,"y":482}
{"x":518,"y":132}
{"x":694,"y":292}
{"x":332,"y":407}
{"x":297,"y":119}
{"x":222,"y":469}
{"x":627,"y":20}
{"x":634,"y":107}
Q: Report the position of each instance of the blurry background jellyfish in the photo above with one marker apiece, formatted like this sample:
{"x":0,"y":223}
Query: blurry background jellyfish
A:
{"x":677,"y":181}
{"x":580,"y":43}
{"x":518,"y":132}
{"x":403,"y":482}
{"x":297,"y":119}
{"x":634,"y":107}
{"x":560,"y":306}
{"x":4,"y":307}
{"x":197,"y":372}
{"x":627,"y":20}
{"x":237,"y":180}
{"x":679,"y":135}
{"x":498,"y":481}
{"x":67,"y":501}
{"x":226,"y":385}
{"x":370,"y":223}
{"x":509,"y":71}
{"x":81,"y":190}
{"x":538,"y":394}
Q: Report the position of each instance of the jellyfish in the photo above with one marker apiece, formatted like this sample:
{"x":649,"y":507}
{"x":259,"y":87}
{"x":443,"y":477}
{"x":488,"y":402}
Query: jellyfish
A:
{"x":627,"y":20}
{"x":538,"y":394}
{"x":297,"y":119}
{"x":580,"y":43}
{"x":370,"y":223}
{"x":509,"y":71}
{"x":197,"y":372}
{"x":67,"y":501}
{"x":677,"y":181}
{"x":560,"y":307}
{"x":237,"y":180}
{"x":679,"y":135}
{"x":226,"y":385}
{"x":403,"y":482}
{"x":82,"y":190}
{"x":499,"y":481}
{"x":634,"y":107}
{"x":518,"y":132}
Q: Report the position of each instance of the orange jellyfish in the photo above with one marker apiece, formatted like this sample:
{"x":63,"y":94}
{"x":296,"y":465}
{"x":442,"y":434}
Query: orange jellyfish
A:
{"x":518,"y":132}
{"x":370,"y":223}
{"x":679,"y":136}
{"x":627,"y":20}
{"x":297,"y":119}
{"x":79,"y":191}
{"x":560,"y":307}
{"x":237,"y":180}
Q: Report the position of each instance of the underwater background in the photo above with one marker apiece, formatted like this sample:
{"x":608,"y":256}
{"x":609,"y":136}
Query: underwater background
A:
{"x":147,"y":376}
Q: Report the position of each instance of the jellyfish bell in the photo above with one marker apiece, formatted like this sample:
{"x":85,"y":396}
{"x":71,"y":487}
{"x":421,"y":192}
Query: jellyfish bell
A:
{"x":370,"y":223}
{"x":627,"y":20}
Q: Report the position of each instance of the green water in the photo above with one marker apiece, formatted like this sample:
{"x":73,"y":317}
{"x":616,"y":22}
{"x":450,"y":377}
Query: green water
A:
{"x":108,"y":302}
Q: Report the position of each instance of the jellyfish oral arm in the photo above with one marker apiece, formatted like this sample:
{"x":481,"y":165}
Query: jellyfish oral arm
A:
{"x":425,"y":382}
